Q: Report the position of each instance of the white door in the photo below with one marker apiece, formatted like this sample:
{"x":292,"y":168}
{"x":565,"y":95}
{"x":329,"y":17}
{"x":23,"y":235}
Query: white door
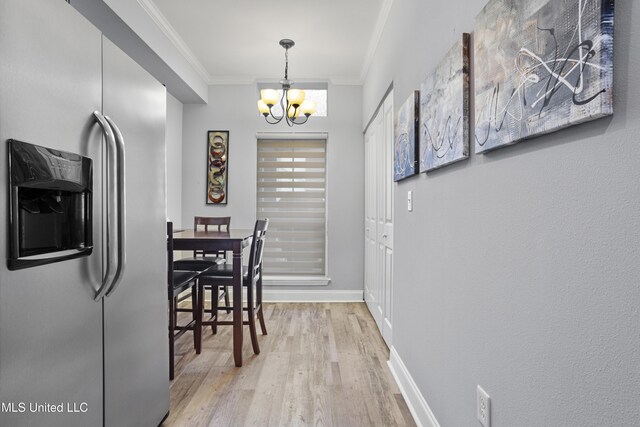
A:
{"x":379,"y":217}
{"x":385,"y":216}
{"x":372,"y":283}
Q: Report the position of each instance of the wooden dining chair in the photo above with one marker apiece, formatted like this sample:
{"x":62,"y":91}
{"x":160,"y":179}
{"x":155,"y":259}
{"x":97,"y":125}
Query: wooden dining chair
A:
{"x":179,"y":281}
{"x":220,"y":223}
{"x":222,"y":275}
{"x":201,"y":260}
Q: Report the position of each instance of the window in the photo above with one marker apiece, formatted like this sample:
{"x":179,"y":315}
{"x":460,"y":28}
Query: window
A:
{"x":292,"y":194}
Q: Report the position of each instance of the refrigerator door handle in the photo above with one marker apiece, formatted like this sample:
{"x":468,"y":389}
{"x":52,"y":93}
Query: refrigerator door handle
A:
{"x":121,"y":203}
{"x":111,"y":252}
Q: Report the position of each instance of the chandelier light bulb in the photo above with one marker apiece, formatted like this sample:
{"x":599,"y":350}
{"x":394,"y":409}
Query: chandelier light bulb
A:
{"x":263,"y":108}
{"x":308,"y":107}
{"x":295,"y":97}
{"x":269,"y":97}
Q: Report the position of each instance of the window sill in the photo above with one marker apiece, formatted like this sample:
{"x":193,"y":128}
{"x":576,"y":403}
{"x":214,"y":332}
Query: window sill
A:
{"x":296,"y":280}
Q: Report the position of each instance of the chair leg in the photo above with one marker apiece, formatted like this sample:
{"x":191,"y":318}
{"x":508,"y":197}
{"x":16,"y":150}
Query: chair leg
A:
{"x":196,"y":316}
{"x":171,"y":329}
{"x":226,"y":299}
{"x":214,"y":309}
{"x":252,"y":331}
{"x":204,"y":310}
{"x":263,"y":326}
{"x":175,"y":311}
{"x":252,"y":319}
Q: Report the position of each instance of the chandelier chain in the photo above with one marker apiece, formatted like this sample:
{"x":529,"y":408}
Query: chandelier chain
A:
{"x":286,"y":63}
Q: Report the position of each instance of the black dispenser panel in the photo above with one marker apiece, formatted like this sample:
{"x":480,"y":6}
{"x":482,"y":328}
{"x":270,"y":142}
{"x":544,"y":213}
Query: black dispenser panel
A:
{"x":50,"y":205}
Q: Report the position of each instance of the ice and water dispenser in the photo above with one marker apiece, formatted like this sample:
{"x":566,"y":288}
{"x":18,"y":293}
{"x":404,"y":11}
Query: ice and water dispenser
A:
{"x":50,"y":205}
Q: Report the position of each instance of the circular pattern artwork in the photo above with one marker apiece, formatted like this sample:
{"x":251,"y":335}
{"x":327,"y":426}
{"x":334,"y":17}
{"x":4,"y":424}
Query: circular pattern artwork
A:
{"x":218,"y":151}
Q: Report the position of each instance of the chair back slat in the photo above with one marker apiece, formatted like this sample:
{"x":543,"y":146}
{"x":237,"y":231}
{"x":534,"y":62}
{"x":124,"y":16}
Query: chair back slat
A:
{"x":257,"y":249}
{"x":221,"y":222}
{"x":218,"y":221}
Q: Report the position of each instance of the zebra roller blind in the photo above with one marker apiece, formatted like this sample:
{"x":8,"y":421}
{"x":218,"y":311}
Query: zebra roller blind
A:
{"x":292,"y":194}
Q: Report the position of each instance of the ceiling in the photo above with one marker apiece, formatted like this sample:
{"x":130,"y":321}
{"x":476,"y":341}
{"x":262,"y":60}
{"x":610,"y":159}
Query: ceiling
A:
{"x":237,"y":41}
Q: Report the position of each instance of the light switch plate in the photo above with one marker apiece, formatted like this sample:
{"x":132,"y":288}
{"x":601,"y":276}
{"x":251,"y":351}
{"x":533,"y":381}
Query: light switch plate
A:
{"x":483,"y":407}
{"x":410,"y":201}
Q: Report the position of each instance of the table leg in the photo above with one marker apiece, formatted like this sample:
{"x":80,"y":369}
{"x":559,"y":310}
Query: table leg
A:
{"x":237,"y":303}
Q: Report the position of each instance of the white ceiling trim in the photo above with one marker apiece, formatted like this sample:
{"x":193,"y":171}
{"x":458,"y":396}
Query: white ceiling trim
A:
{"x":163,"y":24}
{"x":343,"y":81}
{"x":234,"y":80}
{"x":375,"y":39}
{"x":231,"y":80}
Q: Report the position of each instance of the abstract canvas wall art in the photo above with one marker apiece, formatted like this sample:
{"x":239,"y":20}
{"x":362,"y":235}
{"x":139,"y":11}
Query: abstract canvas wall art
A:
{"x":540,"y":65}
{"x":405,"y":148}
{"x":217,"y":173}
{"x":444,"y":110}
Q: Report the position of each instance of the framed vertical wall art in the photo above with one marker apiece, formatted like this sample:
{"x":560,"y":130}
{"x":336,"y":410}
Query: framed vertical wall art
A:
{"x":217,"y":170}
{"x":405,"y":144}
{"x":444,"y":110}
{"x":540,"y":65}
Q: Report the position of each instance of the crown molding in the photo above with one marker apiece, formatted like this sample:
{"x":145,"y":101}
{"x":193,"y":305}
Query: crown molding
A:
{"x":154,"y":13}
{"x":231,"y":80}
{"x":375,"y":39}
{"x":346,"y":81}
{"x":235,"y":80}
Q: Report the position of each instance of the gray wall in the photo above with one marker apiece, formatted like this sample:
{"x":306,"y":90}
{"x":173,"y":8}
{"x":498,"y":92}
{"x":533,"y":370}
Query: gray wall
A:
{"x":173,"y":144}
{"x":234,"y":108}
{"x":518,"y":270}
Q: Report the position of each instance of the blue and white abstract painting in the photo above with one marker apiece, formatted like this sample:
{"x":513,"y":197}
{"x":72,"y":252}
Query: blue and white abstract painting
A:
{"x":540,"y":65}
{"x":444,"y":110}
{"x":405,"y":148}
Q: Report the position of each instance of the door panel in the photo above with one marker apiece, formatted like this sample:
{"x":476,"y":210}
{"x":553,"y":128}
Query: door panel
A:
{"x":372,"y":283}
{"x":50,"y":326}
{"x":386,"y":217}
{"x":379,"y":217}
{"x":136,"y":320}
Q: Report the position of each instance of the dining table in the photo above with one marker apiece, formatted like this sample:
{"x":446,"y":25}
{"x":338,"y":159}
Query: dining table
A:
{"x":233,"y":240}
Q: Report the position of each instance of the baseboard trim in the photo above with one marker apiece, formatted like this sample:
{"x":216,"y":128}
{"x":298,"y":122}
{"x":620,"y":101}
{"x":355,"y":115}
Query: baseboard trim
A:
{"x":309,"y":295}
{"x":295,"y":281}
{"x":422,"y":414}
{"x":300,"y":295}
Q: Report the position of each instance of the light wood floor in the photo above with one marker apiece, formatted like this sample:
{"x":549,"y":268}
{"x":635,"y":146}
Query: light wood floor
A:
{"x":320,"y":364}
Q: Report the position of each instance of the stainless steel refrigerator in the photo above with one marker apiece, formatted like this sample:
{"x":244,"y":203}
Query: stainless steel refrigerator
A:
{"x":70,"y":356}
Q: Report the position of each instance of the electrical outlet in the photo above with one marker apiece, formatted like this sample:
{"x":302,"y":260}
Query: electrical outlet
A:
{"x":483,"y":407}
{"x":410,"y":201}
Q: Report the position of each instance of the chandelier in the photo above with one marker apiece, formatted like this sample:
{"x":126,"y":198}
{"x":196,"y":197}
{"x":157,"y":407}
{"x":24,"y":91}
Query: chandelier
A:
{"x":297,"y":110}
